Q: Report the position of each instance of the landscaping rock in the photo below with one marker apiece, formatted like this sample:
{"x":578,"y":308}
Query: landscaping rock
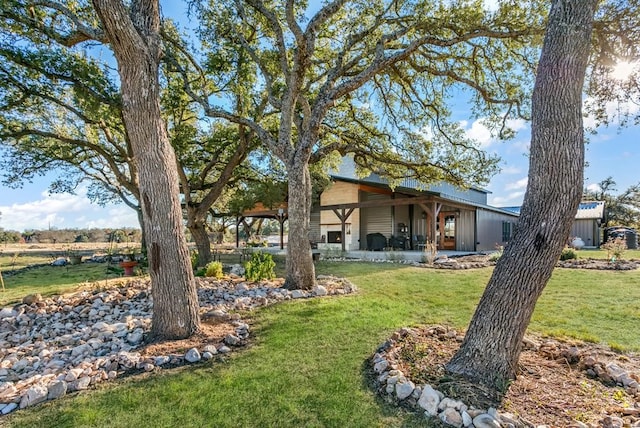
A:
{"x":30,"y":299}
{"x":9,"y":408}
{"x":57,"y":389}
{"x":485,"y":420}
{"x":67,"y":343}
{"x":451,"y":416}
{"x":404,"y":389}
{"x":192,"y":355}
{"x":35,"y":395}
{"x":429,"y":400}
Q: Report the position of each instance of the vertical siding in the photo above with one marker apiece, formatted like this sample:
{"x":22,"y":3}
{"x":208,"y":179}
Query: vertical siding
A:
{"x":586,"y":229}
{"x":375,"y":219}
{"x":489,"y":226}
{"x":465,"y":231}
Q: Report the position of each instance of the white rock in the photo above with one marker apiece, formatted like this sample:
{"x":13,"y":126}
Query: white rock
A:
{"x":381,"y":366}
{"x":224,"y":350}
{"x":134,"y":338}
{"x":207,"y":356}
{"x":211,"y":349}
{"x":7,"y":313}
{"x":319,"y":290}
{"x":232,"y":340}
{"x":429,"y":400}
{"x":81,"y":384}
{"x":451,"y":416}
{"x":466,"y":419}
{"x":56,"y":389}
{"x":297,"y":294}
{"x":192,"y":355}
{"x":485,"y":420}
{"x":161,"y":360}
{"x":35,"y":395}
{"x":9,"y":408}
{"x":404,"y":389}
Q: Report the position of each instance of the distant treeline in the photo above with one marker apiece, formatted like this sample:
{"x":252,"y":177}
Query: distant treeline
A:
{"x":61,"y":236}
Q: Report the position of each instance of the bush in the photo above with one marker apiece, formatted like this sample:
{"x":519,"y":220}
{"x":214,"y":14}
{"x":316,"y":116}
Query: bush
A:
{"x":493,"y":257}
{"x":615,"y":248}
{"x":213,"y":269}
{"x":194,"y":259}
{"x":260,"y":267}
{"x":568,"y":254}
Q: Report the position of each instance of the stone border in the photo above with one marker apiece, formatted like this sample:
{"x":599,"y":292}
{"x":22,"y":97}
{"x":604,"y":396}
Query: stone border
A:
{"x":50,"y":347}
{"x":395,"y":387}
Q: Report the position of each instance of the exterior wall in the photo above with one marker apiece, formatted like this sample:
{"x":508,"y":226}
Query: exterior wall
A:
{"x":340,"y":192}
{"x":588,"y":230}
{"x":465,"y":231}
{"x":314,"y":222}
{"x":375,"y":219}
{"x":489,"y":226}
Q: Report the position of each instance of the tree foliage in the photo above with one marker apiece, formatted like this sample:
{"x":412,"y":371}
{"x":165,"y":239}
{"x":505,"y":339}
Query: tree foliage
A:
{"x":622,"y":209}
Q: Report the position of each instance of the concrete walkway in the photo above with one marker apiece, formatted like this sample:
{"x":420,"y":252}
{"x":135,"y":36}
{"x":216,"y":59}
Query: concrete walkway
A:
{"x":415,"y":256}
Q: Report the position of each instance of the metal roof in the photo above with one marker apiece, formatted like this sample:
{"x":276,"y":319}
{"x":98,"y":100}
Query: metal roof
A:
{"x":586,"y":210}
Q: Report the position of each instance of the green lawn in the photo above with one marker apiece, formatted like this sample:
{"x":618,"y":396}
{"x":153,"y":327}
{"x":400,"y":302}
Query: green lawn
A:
{"x":306,"y":365}
{"x":46,"y":280}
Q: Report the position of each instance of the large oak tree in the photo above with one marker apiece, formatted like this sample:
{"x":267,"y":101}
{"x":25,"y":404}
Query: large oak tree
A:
{"x":491,"y":348}
{"x":318,"y":76}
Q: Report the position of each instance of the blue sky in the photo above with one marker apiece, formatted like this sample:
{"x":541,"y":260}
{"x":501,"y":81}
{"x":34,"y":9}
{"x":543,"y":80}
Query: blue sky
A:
{"x":612,"y":152}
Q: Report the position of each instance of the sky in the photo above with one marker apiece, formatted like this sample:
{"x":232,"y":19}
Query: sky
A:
{"x":611,"y":152}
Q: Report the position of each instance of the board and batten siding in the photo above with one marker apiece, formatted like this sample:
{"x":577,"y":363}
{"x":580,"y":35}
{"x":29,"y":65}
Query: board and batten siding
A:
{"x":341,"y":192}
{"x":490,"y":226}
{"x":465,"y":231}
{"x":587,"y":230}
{"x":375,"y":219}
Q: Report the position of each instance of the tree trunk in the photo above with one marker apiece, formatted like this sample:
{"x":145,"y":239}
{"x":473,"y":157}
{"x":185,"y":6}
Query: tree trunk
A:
{"x":134,"y":37}
{"x":203,"y":244}
{"x":143,"y":236}
{"x":492,"y":345}
{"x":301,"y":272}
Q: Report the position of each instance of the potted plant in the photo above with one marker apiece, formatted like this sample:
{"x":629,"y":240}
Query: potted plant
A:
{"x":129,"y":261}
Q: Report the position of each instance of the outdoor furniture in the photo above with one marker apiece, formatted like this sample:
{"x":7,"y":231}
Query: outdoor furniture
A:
{"x":420,"y":242}
{"x":398,"y":242}
{"x":376,"y":242}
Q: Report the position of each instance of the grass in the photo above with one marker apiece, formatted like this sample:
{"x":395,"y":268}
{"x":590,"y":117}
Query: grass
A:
{"x":306,"y":364}
{"x":46,"y":280}
{"x":602,"y":254}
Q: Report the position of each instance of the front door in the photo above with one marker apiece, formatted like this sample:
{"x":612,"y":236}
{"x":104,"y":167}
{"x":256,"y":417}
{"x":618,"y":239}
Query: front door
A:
{"x":446,"y":231}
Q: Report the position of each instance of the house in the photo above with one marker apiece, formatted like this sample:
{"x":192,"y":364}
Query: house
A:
{"x":366,"y":213}
{"x":587,"y":225}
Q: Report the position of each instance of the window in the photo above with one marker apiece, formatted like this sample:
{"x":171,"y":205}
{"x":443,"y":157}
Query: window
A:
{"x":506,"y":231}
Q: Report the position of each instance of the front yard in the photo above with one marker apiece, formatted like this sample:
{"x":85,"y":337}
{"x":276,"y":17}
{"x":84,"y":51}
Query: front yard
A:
{"x":307,"y":361}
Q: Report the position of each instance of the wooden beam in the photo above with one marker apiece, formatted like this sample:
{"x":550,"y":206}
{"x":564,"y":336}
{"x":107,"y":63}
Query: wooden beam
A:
{"x":380,"y":203}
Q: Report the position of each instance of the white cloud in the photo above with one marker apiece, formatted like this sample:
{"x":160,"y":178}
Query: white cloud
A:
{"x":613,"y":110}
{"x":512,"y":199}
{"x":64,"y":211}
{"x":483,"y":135}
{"x":594,"y":187}
{"x":518,"y":185}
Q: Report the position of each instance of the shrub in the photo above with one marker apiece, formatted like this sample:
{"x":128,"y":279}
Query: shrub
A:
{"x":615,"y":248}
{"x":568,"y":254}
{"x":430,"y":252}
{"x":493,"y":257}
{"x":260,"y":267}
{"x":214,"y":269}
{"x":194,"y":259}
